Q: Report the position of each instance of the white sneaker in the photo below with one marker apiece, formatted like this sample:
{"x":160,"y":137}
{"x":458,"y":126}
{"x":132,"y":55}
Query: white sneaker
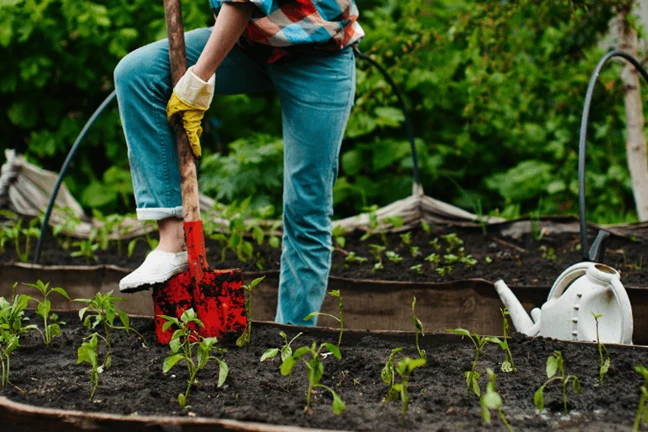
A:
{"x":159,"y":266}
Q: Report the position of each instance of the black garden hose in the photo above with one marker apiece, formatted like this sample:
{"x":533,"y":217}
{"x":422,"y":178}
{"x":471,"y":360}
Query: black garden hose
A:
{"x":587,"y":255}
{"x":401,"y":102}
{"x":64,"y":168}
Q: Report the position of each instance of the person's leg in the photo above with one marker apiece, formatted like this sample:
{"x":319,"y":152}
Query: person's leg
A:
{"x":316,"y":95}
{"x":143,"y":84}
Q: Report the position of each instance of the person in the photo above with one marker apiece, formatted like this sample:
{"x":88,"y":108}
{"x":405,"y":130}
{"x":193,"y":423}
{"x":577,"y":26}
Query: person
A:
{"x":302,"y":49}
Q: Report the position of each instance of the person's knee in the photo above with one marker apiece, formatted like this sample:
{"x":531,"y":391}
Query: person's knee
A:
{"x":127,"y":69}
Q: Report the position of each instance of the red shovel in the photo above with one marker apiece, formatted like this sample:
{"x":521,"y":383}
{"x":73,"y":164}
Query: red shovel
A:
{"x":215,"y":295}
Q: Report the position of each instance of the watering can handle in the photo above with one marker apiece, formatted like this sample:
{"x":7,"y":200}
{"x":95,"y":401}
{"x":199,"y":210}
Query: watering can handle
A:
{"x":566,"y":278}
{"x":623,"y":300}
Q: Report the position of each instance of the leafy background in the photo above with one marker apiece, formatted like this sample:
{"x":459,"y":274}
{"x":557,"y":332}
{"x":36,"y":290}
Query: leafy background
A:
{"x":495,"y":88}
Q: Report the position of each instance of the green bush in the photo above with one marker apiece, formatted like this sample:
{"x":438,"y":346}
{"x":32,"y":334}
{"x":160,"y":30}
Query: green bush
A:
{"x":496,"y":94}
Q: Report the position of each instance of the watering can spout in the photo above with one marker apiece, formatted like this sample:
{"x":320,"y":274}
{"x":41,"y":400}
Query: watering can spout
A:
{"x":521,"y":319}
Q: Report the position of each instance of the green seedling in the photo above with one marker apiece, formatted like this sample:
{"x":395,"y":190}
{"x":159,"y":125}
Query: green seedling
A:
{"x":273,"y":239}
{"x":102,"y":309}
{"x":453,"y":241}
{"x":315,"y":371}
{"x":417,"y":268}
{"x":68,"y":223}
{"x":488,"y":260}
{"x":376,"y":251}
{"x":425,"y":227}
{"x":472,"y":376}
{"x":433,"y":258}
{"x":604,"y":356}
{"x":373,"y":221}
{"x":435,"y":244}
{"x":393,"y":257}
{"x":415,"y":251}
{"x":388,"y":375}
{"x":404,"y":369}
{"x":246,"y":336}
{"x":507,"y":364}
{"x":377,"y":266}
{"x":450,"y":259}
{"x":491,"y":400}
{"x":184,"y":342}
{"x":406,"y":238}
{"x":641,"y":409}
{"x":86,"y":249}
{"x":336,"y":294}
{"x":444,"y":271}
{"x":11,"y":328}
{"x":285,"y":351}
{"x":88,"y":353}
{"x":15,"y":234}
{"x":418,"y":326}
{"x":338,"y":234}
{"x":44,"y":308}
{"x":548,"y":253}
{"x":468,"y":261}
{"x":395,"y":221}
{"x":555,"y":364}
{"x":353,"y":258}
{"x":12,"y":314}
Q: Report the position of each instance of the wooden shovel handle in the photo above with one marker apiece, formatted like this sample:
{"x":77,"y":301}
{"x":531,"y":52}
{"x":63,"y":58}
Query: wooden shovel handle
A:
{"x":178,"y":63}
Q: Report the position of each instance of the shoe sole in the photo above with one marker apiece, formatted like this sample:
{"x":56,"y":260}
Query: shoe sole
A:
{"x":144,"y":286}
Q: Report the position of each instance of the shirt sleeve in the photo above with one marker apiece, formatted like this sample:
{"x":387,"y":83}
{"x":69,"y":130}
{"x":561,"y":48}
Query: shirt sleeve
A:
{"x":265,"y":6}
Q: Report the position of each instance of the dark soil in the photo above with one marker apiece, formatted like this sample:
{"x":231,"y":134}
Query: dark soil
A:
{"x":255,"y":391}
{"x":520,"y":262}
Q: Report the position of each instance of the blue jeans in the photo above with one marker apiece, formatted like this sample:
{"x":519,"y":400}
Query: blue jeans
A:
{"x":316,"y":93}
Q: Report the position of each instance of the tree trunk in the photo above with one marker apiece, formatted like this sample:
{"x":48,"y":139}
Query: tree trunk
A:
{"x":635,"y":140}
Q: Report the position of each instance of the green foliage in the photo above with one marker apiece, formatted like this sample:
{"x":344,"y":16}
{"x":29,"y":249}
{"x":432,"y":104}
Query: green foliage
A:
{"x":184,"y":342}
{"x":642,"y":413}
{"x":491,"y":400}
{"x":555,"y":364}
{"x":88,"y":353}
{"x":404,"y":369}
{"x":315,"y":372}
{"x":418,"y":326}
{"x":507,"y":365}
{"x":11,"y":329}
{"x":21,"y":237}
{"x":246,"y":336}
{"x":604,"y":356}
{"x":50,"y":331}
{"x":495,"y":96}
{"x":388,"y":375}
{"x":472,"y":376}
{"x":336,"y":294}
{"x":286,"y":350}
{"x":102,"y":309}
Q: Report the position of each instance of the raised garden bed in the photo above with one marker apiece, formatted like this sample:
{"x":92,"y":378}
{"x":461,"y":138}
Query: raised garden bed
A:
{"x":463,"y":297}
{"x":140,"y":397}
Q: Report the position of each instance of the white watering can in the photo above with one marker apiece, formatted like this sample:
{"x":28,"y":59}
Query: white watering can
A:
{"x":581,"y":290}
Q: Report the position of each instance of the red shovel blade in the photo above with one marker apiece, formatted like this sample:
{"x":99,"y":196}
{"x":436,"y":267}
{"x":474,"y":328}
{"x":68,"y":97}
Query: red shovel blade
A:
{"x":217,"y":296}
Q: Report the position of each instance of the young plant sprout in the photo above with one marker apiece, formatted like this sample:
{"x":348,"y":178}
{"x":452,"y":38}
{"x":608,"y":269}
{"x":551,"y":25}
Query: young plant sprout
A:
{"x":338,"y":234}
{"x":406,"y":238}
{"x":554,"y":364}
{"x":418,"y":325}
{"x":246,"y":336}
{"x":415,"y":251}
{"x":286,"y":351}
{"x":103,"y":310}
{"x":507,"y":364}
{"x":182,"y":345}
{"x":604,"y":359}
{"x":435,"y":244}
{"x":417,"y":268}
{"x":86,"y":249}
{"x":426,"y":227}
{"x":353,"y":258}
{"x":388,"y":375}
{"x":11,"y":328}
{"x":404,"y":369}
{"x":641,"y":409}
{"x":44,"y":308}
{"x":88,"y":353}
{"x":315,"y":371}
{"x":491,"y":400}
{"x":333,"y":293}
{"x":453,"y":241}
{"x":393,"y":257}
{"x":376,"y":251}
{"x":480,"y":342}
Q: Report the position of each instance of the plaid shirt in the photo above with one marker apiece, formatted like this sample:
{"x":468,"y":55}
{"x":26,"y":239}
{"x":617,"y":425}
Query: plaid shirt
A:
{"x":278,"y":27}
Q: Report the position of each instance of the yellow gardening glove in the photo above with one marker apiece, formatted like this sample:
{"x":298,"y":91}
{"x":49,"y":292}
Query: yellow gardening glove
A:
{"x":191,"y":98}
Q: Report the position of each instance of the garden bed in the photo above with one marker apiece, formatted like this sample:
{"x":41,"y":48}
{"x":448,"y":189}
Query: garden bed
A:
{"x":134,"y":388}
{"x":465,"y":297}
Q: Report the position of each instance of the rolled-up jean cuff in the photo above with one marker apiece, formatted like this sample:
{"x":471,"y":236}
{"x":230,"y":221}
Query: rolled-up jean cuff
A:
{"x":159,"y":213}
